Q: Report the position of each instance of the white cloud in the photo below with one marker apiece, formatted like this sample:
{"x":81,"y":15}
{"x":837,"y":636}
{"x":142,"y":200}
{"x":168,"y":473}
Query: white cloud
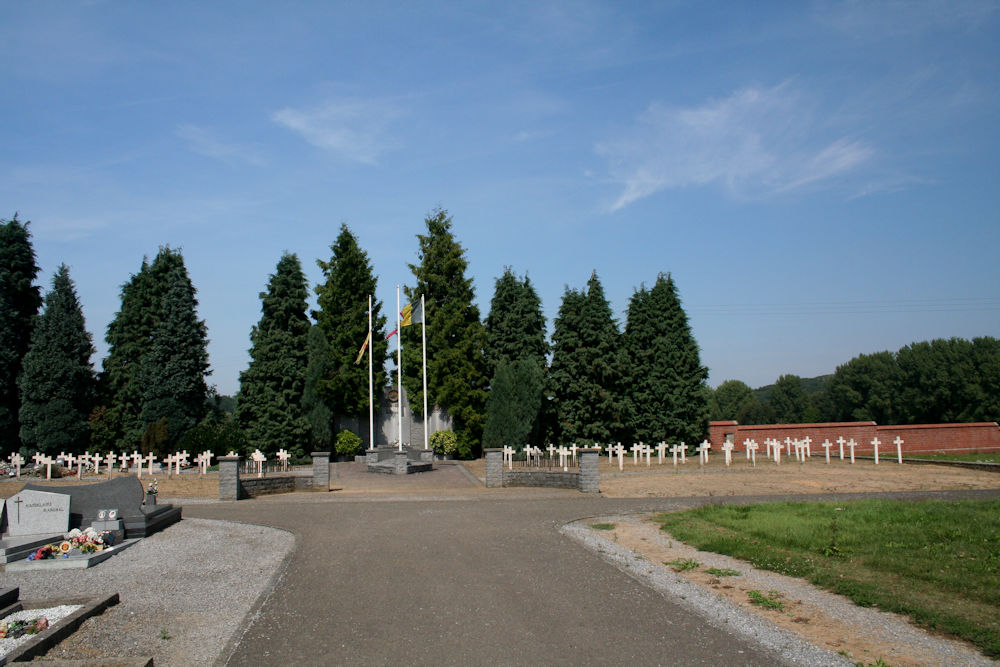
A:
{"x":204,"y":142}
{"x":759,"y":141}
{"x":355,"y":129}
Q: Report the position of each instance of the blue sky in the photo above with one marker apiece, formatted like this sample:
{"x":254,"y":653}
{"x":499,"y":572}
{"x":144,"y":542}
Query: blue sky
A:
{"x":821,"y":179}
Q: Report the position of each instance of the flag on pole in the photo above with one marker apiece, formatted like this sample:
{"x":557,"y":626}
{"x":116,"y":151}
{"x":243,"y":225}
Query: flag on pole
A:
{"x":412,"y":314}
{"x":364,"y":346}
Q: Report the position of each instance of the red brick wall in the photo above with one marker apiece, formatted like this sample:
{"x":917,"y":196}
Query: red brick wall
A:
{"x":919,"y":438}
{"x":931,"y":438}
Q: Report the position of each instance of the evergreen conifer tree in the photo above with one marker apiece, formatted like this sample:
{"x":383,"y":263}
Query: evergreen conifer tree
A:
{"x":515,"y":332}
{"x":586,"y":371}
{"x":343,"y":318}
{"x":57,"y":384}
{"x":318,"y":371}
{"x":130,"y":340}
{"x":456,"y":367}
{"x":20,"y":300}
{"x":269,"y":407}
{"x":173,"y":370}
{"x":666,"y":390}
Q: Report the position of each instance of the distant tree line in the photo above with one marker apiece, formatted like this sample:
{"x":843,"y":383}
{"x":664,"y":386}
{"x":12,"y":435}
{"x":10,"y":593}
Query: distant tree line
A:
{"x":938,"y":381}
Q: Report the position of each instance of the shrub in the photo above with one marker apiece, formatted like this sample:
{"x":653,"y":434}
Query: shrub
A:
{"x":444,"y":442}
{"x":348,"y":443}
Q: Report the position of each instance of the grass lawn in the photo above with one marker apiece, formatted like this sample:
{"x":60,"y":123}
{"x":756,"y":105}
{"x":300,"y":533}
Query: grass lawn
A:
{"x":987,"y":457}
{"x":938,"y":562}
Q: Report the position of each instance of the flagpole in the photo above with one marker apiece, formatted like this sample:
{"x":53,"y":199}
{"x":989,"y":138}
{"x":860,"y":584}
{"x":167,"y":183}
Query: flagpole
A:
{"x":423,"y":334}
{"x":371,"y":389}
{"x":399,"y":373}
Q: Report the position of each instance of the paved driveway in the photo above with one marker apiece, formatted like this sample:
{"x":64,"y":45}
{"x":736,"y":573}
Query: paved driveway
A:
{"x":486,"y":579}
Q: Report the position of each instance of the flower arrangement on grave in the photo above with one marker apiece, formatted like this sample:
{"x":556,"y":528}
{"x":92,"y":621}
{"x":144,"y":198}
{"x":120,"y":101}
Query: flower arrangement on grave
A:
{"x":88,"y":541}
{"x":15,"y":629}
{"x":153,"y":488}
{"x":43,"y":553}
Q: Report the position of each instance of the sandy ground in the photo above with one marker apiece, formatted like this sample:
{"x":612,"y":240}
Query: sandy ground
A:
{"x":768,"y":478}
{"x":817,"y":616}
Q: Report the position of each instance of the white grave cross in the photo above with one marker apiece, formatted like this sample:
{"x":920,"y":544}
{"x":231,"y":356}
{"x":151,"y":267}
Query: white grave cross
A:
{"x":703,"y":452}
{"x":727,"y":448}
{"x":875,"y":443}
{"x":283,"y":456}
{"x":841,"y":442}
{"x":851,"y":445}
{"x":899,"y":449}
{"x":827,"y":445}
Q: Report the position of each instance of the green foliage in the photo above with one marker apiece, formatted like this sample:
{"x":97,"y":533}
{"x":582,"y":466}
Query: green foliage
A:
{"x":665,"y":387}
{"x":173,"y":370}
{"x":722,"y":572}
{"x":20,"y":300}
{"x":788,"y":400}
{"x":218,"y":433}
{"x":156,"y":439}
{"x":130,"y":341}
{"x":866,"y":388}
{"x":602,"y":526}
{"x":343,"y":318}
{"x":733,"y":400}
{"x":513,"y":403}
{"x":936,"y":561}
{"x":515,"y":331}
{"x":348,"y":443}
{"x":318,"y":370}
{"x":269,"y":408}
{"x":456,"y":367}
{"x":683,"y":564}
{"x":58,"y":384}
{"x":444,"y":442}
{"x":586,"y":371}
{"x":769,"y":601}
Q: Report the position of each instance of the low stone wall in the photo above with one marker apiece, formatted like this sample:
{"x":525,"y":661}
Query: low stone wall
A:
{"x":251,"y":487}
{"x":587,"y":480}
{"x":233,"y":487}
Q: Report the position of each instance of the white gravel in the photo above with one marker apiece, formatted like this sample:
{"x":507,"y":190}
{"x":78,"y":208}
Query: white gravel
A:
{"x":186,"y":592}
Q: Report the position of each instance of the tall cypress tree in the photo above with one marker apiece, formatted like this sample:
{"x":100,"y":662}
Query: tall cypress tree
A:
{"x":130,"y":341}
{"x":58,"y":384}
{"x":586,"y":371}
{"x":173,"y":371}
{"x":269,"y":405}
{"x":666,"y":390}
{"x":343,"y":318}
{"x":515,"y":338}
{"x":456,"y":367}
{"x":20,"y":300}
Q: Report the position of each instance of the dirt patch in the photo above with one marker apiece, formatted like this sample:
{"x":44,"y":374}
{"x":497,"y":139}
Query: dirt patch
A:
{"x":821,"y":618}
{"x":187,"y":485}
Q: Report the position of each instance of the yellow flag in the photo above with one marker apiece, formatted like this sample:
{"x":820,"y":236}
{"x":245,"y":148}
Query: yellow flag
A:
{"x":412,"y":314}
{"x":364,"y":346}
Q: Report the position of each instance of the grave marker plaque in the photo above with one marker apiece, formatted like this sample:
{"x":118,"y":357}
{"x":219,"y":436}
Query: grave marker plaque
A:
{"x":33,"y":512}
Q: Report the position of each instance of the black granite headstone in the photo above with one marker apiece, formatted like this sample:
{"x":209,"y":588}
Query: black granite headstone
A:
{"x":122,"y":493}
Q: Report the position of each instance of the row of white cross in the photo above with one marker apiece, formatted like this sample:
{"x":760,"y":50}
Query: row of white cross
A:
{"x":773,"y":450}
{"x":86,"y":462}
{"x":259,"y":459}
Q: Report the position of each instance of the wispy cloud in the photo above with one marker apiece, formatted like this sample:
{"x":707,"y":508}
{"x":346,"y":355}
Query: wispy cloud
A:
{"x":204,"y":141}
{"x":355,"y":129}
{"x":757,"y":142}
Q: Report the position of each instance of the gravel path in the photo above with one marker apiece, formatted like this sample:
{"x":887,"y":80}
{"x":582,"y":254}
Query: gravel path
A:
{"x":186,"y":592}
{"x":832,"y":622}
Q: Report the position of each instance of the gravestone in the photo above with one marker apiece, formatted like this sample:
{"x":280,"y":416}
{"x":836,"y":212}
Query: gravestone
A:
{"x":125,"y":494}
{"x":34,"y":512}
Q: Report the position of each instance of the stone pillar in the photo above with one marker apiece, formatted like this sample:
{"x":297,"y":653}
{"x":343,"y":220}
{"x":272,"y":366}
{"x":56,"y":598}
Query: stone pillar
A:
{"x":427,"y":456}
{"x":494,"y":468}
{"x":590,"y":477}
{"x":371,"y":457}
{"x":399,"y":463}
{"x":321,"y":471}
{"x":229,"y":478}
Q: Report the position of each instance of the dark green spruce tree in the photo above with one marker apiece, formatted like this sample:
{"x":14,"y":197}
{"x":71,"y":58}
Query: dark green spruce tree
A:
{"x":456,"y":367}
{"x":269,"y":406}
{"x":515,"y":356}
{"x":20,"y":300}
{"x":319,"y":368}
{"x":58,"y":383}
{"x":586,"y":372}
{"x":173,"y":371}
{"x":666,"y":391}
{"x":118,"y":420}
{"x":342,"y":316}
